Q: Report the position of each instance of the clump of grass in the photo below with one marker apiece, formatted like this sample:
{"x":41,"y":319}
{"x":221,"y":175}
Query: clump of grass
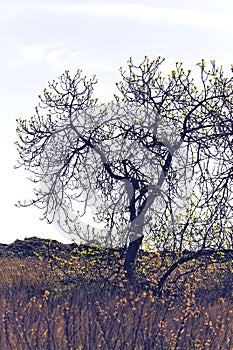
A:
{"x":30,"y":275}
{"x":129,"y":320}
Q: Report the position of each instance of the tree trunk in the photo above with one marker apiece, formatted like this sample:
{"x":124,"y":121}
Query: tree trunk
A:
{"x":130,"y":258}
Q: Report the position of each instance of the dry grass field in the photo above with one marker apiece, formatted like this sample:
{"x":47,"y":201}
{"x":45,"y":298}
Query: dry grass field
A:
{"x":52,"y":302}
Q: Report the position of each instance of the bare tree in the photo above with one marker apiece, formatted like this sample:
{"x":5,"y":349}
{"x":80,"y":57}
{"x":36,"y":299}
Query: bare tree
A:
{"x":156,"y":164}
{"x":203,"y":120}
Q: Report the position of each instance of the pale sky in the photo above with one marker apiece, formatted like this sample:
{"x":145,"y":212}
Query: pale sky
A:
{"x":40,"y":39}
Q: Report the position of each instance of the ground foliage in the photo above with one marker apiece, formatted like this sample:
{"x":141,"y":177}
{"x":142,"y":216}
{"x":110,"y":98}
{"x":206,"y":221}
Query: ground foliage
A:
{"x":75,"y":297}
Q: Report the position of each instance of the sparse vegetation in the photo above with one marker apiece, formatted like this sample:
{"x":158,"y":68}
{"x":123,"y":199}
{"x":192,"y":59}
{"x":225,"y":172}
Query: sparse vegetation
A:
{"x":74,"y":299}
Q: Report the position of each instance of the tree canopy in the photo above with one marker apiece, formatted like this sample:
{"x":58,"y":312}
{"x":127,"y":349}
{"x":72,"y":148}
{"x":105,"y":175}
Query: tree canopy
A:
{"x":155,"y":163}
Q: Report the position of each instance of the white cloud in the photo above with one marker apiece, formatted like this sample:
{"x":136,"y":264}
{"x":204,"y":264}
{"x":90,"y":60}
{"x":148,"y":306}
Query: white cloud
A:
{"x":35,"y":53}
{"x":144,"y":13}
{"x":10,"y":9}
{"x":59,"y":57}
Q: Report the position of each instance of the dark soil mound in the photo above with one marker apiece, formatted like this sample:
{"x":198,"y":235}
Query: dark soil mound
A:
{"x":30,"y":247}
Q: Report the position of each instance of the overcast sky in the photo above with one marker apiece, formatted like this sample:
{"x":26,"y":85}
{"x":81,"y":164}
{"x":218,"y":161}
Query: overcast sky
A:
{"x":40,"y":39}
